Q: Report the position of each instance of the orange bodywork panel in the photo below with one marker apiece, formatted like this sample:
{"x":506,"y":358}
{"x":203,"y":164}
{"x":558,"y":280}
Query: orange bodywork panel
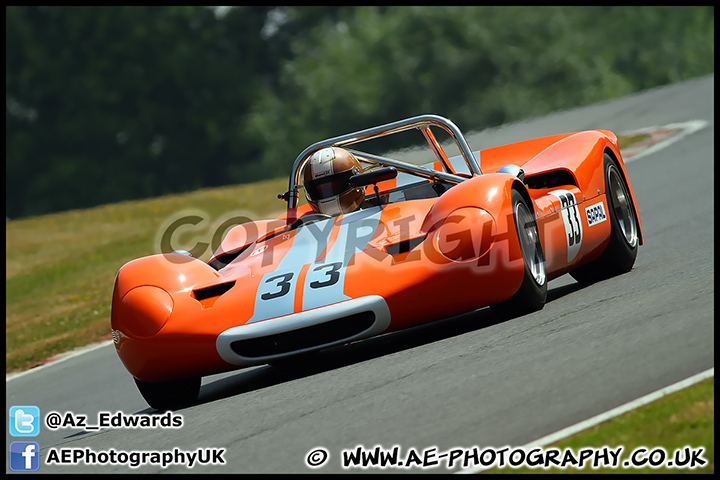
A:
{"x":400,"y":261}
{"x":310,"y":267}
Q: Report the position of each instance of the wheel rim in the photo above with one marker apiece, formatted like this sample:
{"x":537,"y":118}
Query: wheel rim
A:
{"x":530,"y":243}
{"x":621,"y":205}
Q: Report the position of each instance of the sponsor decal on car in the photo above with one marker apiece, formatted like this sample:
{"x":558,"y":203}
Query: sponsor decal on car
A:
{"x":595,"y":214}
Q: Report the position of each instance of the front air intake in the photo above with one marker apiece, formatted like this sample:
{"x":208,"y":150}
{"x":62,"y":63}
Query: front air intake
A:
{"x":305,"y":337}
{"x":404,"y":246}
{"x":212,"y":291}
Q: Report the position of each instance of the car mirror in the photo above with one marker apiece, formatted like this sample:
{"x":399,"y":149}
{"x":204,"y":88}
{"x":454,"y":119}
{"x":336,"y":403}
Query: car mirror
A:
{"x":513,"y":170}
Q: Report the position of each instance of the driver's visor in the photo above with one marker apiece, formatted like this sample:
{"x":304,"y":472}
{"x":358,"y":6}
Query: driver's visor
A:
{"x":329,"y":186}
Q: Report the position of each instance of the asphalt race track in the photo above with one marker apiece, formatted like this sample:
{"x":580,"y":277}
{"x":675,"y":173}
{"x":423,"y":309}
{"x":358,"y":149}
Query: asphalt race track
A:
{"x":462,"y":382}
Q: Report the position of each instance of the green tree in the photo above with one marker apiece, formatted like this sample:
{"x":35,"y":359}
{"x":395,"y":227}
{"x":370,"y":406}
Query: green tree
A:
{"x":111,"y":103}
{"x":480,"y":66}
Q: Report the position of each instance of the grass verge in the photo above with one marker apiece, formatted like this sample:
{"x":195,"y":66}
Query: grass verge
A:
{"x":60,"y":268}
{"x":675,"y":423}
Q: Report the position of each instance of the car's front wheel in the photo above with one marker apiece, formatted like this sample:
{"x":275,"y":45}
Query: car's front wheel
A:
{"x":532,"y":294}
{"x":169,"y":395}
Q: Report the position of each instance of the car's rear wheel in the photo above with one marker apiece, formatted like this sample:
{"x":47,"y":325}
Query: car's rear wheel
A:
{"x":621,"y":251}
{"x":169,"y":395}
{"x":532,"y":294}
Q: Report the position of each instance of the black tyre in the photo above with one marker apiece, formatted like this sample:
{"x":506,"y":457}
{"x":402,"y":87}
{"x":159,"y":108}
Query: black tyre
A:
{"x":169,"y":395}
{"x":621,"y":251}
{"x":532,"y":294}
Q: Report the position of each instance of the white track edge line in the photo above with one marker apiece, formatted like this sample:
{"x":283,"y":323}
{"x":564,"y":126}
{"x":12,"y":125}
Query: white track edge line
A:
{"x":686,"y":128}
{"x":615,"y":412}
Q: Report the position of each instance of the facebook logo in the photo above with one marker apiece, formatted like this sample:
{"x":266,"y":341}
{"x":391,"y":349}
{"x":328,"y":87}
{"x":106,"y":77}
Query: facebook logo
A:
{"x":24,"y":421}
{"x":24,"y":456}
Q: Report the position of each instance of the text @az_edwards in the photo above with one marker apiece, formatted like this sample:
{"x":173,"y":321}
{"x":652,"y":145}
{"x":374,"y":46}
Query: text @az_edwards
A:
{"x":55,"y":420}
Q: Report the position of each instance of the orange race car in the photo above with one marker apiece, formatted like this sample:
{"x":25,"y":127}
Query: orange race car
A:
{"x":381,"y":244}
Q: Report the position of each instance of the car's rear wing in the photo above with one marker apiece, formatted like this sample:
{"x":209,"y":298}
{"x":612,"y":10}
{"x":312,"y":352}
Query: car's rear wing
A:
{"x":422,"y":123}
